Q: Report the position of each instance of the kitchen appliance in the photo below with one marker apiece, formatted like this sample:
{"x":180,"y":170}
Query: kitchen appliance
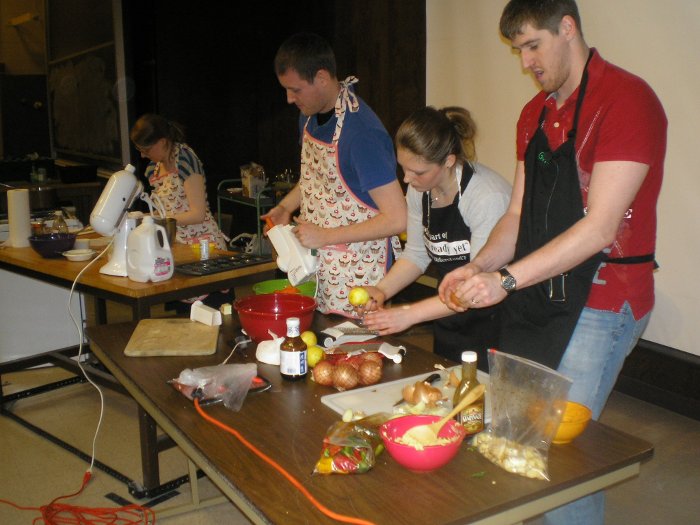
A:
{"x":110,"y":216}
{"x":298,"y":262}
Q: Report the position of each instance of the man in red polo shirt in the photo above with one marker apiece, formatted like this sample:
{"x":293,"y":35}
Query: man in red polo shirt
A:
{"x":573,"y":257}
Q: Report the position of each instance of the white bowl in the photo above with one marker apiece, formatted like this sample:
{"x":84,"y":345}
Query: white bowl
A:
{"x":79,"y":255}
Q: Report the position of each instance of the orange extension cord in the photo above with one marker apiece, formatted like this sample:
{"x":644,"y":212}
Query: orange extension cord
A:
{"x":56,"y":513}
{"x":296,"y":483}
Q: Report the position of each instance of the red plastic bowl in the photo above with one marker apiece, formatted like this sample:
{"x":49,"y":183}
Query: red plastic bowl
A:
{"x":260,"y":313}
{"x":430,"y":457}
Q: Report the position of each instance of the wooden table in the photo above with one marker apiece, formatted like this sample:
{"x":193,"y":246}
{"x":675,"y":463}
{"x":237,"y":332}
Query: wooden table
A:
{"x":289,"y":421}
{"x":140,"y":297}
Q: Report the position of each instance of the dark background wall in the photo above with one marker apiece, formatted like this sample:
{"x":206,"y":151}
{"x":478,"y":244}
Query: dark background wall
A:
{"x":209,"y":66}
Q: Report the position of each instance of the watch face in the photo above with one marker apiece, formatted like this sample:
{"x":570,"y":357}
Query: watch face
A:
{"x":508,"y":283}
{"x":507,"y":280}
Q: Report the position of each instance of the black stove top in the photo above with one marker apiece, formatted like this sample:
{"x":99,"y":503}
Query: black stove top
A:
{"x":221,"y":264}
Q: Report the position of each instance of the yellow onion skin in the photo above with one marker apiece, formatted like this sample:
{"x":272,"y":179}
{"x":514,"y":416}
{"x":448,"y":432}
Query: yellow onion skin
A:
{"x":345,"y":376}
{"x":421,"y":392}
{"x":370,"y":372}
{"x":323,"y":373}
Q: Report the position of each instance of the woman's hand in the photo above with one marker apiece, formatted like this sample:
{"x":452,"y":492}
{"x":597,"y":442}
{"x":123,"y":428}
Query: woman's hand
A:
{"x":389,"y":320}
{"x":375,"y":302}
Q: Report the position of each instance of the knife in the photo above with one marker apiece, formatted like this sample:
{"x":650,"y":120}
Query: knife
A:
{"x":346,"y":330}
{"x":430,"y":380}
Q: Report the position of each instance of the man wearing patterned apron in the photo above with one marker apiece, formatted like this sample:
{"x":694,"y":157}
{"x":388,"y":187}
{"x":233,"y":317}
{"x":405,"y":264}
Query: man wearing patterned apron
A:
{"x":580,"y":232}
{"x":350,"y":201}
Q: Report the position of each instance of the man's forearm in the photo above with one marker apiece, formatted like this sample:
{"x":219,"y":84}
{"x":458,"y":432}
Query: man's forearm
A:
{"x":500,"y":247}
{"x":377,"y":227}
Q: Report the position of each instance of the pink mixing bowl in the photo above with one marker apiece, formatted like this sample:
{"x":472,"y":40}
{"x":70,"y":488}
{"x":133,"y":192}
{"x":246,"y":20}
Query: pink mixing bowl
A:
{"x":430,"y":457}
{"x":260,"y":313}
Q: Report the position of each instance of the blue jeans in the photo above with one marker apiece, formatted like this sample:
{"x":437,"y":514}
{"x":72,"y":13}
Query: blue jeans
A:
{"x":599,"y":345}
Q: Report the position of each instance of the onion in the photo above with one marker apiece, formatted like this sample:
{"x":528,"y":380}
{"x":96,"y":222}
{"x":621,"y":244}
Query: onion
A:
{"x":421,"y":392}
{"x":373,"y":356}
{"x":345,"y":376}
{"x":323,"y":373}
{"x":407,"y":393}
{"x":370,"y":372}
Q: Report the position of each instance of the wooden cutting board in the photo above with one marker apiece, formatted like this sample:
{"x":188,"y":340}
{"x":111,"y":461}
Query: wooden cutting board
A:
{"x":172,"y":337}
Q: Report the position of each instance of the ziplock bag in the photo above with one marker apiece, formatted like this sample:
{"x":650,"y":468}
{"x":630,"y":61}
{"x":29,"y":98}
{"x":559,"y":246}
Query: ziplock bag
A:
{"x":351,"y":447}
{"x":227,"y":383}
{"x":527,"y":403}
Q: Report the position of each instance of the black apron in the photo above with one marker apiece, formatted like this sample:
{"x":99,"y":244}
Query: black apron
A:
{"x":475,"y":329}
{"x":538,"y":321}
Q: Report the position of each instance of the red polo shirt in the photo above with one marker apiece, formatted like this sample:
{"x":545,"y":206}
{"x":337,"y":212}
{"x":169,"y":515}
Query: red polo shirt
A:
{"x":621,"y":119}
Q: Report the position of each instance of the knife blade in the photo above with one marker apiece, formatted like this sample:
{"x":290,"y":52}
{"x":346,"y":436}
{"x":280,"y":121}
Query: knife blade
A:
{"x":430,"y":380}
{"x":355,"y":330}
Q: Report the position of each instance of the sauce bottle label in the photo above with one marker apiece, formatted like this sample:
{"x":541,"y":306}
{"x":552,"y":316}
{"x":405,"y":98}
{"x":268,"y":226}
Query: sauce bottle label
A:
{"x":472,"y":419}
{"x":293,"y":363}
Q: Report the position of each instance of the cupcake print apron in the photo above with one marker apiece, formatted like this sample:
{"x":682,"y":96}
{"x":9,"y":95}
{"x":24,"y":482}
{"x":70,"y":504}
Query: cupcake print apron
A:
{"x":327,"y":201}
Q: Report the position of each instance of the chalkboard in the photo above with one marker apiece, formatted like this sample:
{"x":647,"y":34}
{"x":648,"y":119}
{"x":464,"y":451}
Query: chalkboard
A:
{"x":84,"y":105}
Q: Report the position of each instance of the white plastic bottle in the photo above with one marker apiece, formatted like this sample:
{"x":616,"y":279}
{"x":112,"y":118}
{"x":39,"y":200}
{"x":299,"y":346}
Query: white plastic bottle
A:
{"x":148,"y":254}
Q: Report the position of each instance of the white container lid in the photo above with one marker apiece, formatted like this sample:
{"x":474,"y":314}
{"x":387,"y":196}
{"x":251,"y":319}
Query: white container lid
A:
{"x":469,"y":356}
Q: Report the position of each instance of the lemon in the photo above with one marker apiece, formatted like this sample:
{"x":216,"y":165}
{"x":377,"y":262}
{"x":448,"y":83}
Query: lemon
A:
{"x":309,"y":338}
{"x":314,"y":354}
{"x":358,"y":296}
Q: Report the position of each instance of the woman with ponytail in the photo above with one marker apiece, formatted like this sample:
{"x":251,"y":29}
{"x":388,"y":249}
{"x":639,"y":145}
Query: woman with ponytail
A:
{"x":453,"y":203}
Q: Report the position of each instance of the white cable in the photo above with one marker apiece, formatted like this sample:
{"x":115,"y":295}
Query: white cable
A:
{"x":79,"y":328}
{"x":245,"y":341}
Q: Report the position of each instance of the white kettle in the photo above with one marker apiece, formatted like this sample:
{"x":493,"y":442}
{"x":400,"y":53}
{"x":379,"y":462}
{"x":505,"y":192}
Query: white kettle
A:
{"x":148,"y":254}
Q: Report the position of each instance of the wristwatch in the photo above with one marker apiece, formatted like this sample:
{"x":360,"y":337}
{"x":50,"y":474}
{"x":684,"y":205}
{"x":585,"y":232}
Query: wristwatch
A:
{"x":507,"y":281}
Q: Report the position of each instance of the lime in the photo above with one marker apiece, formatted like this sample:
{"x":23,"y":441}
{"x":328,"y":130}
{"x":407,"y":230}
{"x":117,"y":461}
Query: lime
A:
{"x":358,"y":296}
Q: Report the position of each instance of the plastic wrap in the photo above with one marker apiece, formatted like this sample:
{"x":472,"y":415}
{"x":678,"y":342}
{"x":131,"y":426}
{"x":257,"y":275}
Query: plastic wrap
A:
{"x":221,"y":383}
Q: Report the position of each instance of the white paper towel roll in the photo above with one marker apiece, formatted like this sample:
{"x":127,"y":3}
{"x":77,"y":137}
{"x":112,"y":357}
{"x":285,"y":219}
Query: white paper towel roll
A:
{"x":18,"y":217}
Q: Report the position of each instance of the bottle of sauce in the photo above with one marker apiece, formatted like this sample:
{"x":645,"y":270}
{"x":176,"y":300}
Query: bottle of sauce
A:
{"x":59,"y":223}
{"x":472,"y":417}
{"x":293,"y":364}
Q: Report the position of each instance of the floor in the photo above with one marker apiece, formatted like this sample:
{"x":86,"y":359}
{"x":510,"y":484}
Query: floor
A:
{"x":35,"y":471}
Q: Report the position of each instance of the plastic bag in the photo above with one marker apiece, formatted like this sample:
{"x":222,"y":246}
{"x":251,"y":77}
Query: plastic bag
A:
{"x":226,"y":383}
{"x":352,"y":447}
{"x":527,"y":402}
